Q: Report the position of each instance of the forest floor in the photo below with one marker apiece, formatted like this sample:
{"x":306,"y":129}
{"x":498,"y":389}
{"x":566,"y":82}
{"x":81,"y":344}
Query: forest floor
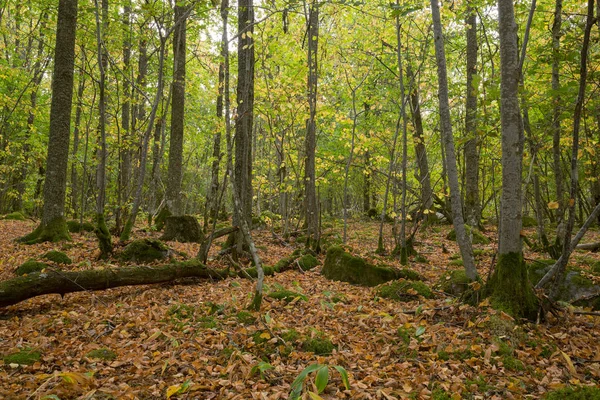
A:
{"x":194,"y":339}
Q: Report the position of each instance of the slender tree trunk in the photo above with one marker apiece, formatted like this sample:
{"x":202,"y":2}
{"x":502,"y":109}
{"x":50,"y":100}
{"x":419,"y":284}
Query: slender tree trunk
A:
{"x":53,"y":226}
{"x":175,"y":172}
{"x":310,"y":188}
{"x":556,"y":110}
{"x":472,"y":207}
{"x":102,"y":233}
{"x":457,"y":215}
{"x":509,"y":285}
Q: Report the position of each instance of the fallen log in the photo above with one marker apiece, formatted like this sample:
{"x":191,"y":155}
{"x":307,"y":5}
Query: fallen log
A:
{"x":589,"y":246}
{"x":52,"y":281}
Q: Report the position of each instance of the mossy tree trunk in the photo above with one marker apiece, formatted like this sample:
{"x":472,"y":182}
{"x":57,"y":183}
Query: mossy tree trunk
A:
{"x":53,"y":226}
{"x":509,"y":288}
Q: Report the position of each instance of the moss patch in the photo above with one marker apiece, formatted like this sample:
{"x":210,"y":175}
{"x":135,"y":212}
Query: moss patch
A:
{"x":54,"y":231}
{"x":478,"y":237}
{"x":596,"y":268}
{"x":575,"y":393}
{"x":75,"y":227}
{"x":319,"y":346}
{"x":246,"y":318}
{"x":308,"y":262}
{"x":286,"y":295}
{"x":404,"y":290}
{"x":58,"y":257}
{"x":15,"y":216}
{"x":102,"y":354}
{"x":29,"y":267}
{"x":23,"y":357}
{"x":454,"y":282}
{"x":342,"y":266}
{"x":145,"y":250}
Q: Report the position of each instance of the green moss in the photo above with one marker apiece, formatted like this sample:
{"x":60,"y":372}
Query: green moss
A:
{"x":596,"y":268}
{"x":456,"y":263}
{"x":529,"y":221}
{"x":421,"y":259}
{"x":286,"y":295}
{"x":319,"y":346}
{"x":512,"y":364}
{"x":246,"y":318}
{"x":30,"y":266}
{"x":207,"y":322}
{"x":404,"y":334}
{"x":308,"y":262}
{"x":181,"y":312}
{"x":15,"y":216}
{"x":102,"y":354}
{"x":75,"y":227}
{"x":443,"y":355}
{"x":23,"y":357}
{"x":454,"y":282}
{"x":104,"y":237}
{"x":509,"y":289}
{"x":342,"y":266}
{"x":290,"y":336}
{"x":440,"y":394}
{"x":145,"y":250}
{"x":161,"y":218}
{"x":575,"y":393}
{"x":54,"y":231}
{"x":404,"y":290}
{"x":478,"y":237}
{"x":58,"y":257}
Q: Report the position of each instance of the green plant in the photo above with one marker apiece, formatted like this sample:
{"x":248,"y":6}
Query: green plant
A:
{"x":24,"y":357}
{"x":319,"y":346}
{"x":261,"y":368}
{"x":321,"y":379}
{"x":575,"y":393}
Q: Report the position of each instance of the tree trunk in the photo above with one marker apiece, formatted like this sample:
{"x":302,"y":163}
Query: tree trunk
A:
{"x":310,"y":188}
{"x":446,"y":125}
{"x":509,"y":285}
{"x":556,"y":110}
{"x":53,"y":226}
{"x":175,"y":172}
{"x":472,"y":208}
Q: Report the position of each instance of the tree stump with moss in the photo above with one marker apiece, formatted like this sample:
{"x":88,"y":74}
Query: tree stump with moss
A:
{"x":184,"y":228}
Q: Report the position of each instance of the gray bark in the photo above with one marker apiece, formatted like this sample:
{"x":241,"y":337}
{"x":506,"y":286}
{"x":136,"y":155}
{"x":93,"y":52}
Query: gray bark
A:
{"x":446,"y":126}
{"x":556,"y":110}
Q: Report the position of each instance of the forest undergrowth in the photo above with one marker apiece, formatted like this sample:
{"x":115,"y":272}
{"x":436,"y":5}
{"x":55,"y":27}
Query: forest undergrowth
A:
{"x":196,"y":340}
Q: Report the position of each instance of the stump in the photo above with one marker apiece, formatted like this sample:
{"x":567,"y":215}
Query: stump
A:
{"x":183,"y":229}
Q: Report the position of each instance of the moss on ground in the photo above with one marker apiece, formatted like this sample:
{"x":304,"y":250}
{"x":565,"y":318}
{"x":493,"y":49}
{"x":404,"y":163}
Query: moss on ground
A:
{"x":23,"y":357}
{"x":57,"y":257}
{"x":245,"y":317}
{"x":145,"y":250}
{"x":319,"y":346}
{"x":29,"y":267}
{"x":596,"y":268}
{"x":15,"y":216}
{"x":102,"y":354}
{"x":478,"y":237}
{"x":454,"y":282}
{"x":404,"y":290}
{"x":575,"y":393}
{"x":308,"y":262}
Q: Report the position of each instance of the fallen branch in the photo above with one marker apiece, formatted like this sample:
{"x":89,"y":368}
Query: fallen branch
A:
{"x":589,"y":246}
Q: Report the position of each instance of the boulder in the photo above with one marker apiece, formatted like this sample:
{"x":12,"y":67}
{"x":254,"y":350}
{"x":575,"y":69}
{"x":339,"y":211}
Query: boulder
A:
{"x":145,"y":250}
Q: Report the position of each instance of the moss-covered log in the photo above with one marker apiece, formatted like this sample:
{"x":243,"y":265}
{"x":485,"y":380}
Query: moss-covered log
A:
{"x":52,"y":281}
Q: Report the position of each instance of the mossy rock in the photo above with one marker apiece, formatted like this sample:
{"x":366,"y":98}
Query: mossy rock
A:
{"x":29,"y":267}
{"x":454,"y":282}
{"x":342,"y":266}
{"x":575,"y":393}
{"x":145,"y":250}
{"x":15,"y":216}
{"x":102,"y":354}
{"x":57,"y":257}
{"x":576,"y":288}
{"x":23,"y":357}
{"x":319,"y":346}
{"x":478,"y":237}
{"x":184,"y":229}
{"x":308,"y":262}
{"x":529,"y":221}
{"x":404,"y":290}
{"x":75,"y":227}
{"x":286,"y":295}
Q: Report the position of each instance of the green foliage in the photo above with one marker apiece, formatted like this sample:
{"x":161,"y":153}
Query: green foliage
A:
{"x":181,"y":312}
{"x":575,"y":393}
{"x":102,"y":354}
{"x":30,"y":266}
{"x":246,"y":318}
{"x":23,"y":357}
{"x":404,"y":290}
{"x":57,"y":257}
{"x":321,"y":379}
{"x":287,"y":295}
{"x":15,"y":216}
{"x":261,"y":368}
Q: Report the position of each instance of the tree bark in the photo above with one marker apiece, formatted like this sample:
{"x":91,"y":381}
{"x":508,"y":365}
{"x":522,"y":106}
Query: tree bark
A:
{"x":53,"y":226}
{"x":446,"y":125}
{"x":556,"y":110}
{"x":175,"y":171}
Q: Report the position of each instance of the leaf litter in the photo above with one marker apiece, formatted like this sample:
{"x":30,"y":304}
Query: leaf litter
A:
{"x":195,"y":340}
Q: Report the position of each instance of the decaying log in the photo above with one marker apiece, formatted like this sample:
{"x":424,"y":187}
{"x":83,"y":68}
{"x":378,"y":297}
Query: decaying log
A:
{"x":589,"y":246}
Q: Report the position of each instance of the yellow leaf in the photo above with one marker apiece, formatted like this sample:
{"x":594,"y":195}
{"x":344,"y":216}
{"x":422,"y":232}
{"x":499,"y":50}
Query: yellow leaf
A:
{"x":571,"y":202}
{"x":570,"y":365}
{"x":553,"y":205}
{"x":265,"y":335}
{"x":171,"y":390}
{"x":314,"y":396}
